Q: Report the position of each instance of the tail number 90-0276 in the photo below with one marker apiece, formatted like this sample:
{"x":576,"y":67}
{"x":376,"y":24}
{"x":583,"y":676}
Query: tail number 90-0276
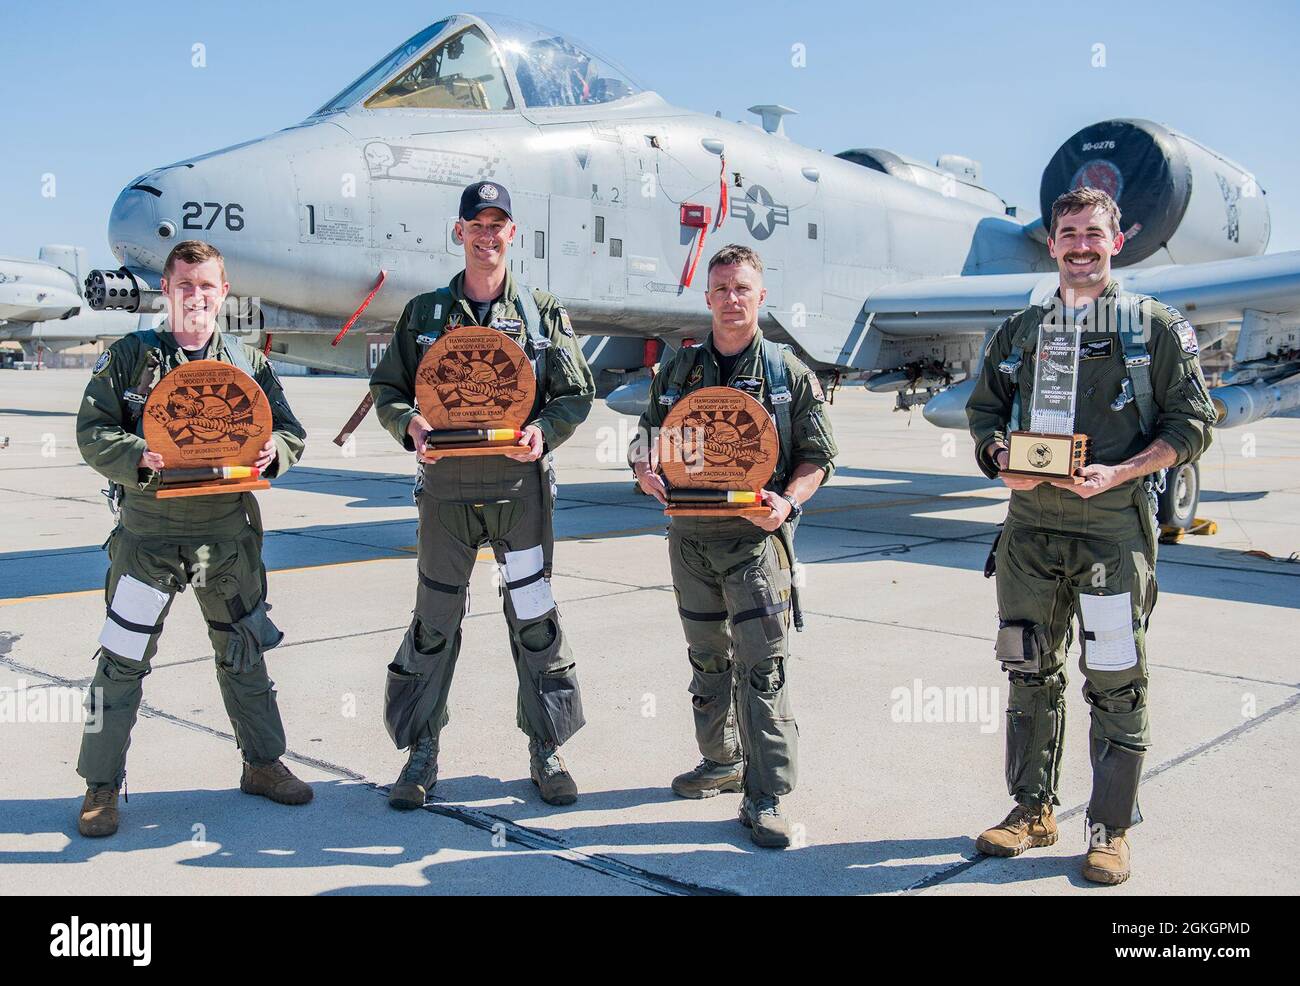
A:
{"x":193,"y":218}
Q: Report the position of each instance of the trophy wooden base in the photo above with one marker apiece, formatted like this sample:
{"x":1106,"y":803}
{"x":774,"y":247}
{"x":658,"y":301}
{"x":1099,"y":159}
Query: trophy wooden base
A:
{"x":708,"y":510}
{"x":475,"y":449}
{"x":1037,"y":455}
{"x":211,"y":487}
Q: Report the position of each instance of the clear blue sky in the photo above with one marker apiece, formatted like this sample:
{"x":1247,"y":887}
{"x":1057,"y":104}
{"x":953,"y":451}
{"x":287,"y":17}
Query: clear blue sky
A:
{"x":98,"y":93}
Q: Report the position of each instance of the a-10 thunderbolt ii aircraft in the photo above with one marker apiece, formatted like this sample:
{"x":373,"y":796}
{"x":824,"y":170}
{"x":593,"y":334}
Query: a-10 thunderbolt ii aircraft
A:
{"x":41,"y":306}
{"x":876,"y":263}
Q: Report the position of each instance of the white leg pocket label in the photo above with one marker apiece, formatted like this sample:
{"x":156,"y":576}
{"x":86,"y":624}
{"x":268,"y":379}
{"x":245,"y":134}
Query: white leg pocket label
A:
{"x":1108,"y":643}
{"x":132,"y":618}
{"x":530,"y":592}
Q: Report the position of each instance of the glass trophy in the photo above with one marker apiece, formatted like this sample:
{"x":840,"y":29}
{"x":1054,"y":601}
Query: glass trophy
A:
{"x":1051,"y":449}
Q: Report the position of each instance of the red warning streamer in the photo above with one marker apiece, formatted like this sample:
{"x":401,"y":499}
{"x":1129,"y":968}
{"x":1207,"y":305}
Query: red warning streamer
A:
{"x":383,"y":276}
{"x":724,"y":203}
{"x":695,"y":217}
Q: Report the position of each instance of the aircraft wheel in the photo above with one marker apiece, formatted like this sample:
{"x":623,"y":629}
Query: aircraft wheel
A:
{"x":1177,"y":504}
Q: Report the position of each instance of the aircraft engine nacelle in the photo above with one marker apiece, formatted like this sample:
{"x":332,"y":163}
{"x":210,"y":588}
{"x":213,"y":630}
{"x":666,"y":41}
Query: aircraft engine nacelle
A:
{"x":953,"y":177}
{"x":1181,"y":202}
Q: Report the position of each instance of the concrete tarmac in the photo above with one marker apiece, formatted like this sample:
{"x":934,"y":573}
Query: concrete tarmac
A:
{"x":898,"y":697}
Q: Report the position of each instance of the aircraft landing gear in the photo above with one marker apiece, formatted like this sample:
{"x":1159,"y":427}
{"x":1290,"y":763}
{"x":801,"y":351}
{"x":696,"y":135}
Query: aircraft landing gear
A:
{"x":1176,"y":506}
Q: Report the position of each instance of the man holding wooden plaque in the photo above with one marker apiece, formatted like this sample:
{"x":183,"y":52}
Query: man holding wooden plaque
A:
{"x":184,"y":422}
{"x":1081,"y":406}
{"x":735,"y":440}
{"x":483,"y":380}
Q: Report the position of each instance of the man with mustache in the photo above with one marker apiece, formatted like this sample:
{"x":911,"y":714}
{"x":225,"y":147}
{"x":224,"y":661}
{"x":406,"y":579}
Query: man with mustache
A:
{"x":1086,"y":549}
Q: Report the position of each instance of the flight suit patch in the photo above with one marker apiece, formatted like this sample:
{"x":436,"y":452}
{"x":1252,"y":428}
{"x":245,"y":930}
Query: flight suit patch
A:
{"x":565,"y":325}
{"x":507,"y":324}
{"x":749,"y":385}
{"x":816,"y":385}
{"x":695,"y":377}
{"x":1187,"y":337}
{"x":101,"y":364}
{"x":1097,"y":349}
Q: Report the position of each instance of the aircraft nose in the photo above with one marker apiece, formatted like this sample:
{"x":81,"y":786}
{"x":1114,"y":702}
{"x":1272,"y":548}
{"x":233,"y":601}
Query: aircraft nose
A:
{"x":135,"y":234}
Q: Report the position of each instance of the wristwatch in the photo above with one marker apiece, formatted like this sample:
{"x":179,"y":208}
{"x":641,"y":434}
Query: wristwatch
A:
{"x":796,"y":508}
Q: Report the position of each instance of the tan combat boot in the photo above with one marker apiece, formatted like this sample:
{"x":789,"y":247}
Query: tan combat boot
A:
{"x":1026,"y":827}
{"x":274,"y":780}
{"x":551,"y":776}
{"x":708,"y":779}
{"x":767,"y":824}
{"x":98,"y":812}
{"x":1108,"y":853}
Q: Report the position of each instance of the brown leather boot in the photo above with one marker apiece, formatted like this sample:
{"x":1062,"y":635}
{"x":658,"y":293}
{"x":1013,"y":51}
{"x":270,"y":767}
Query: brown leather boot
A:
{"x":1026,"y":827}
{"x":554,"y":782}
{"x":274,"y":781}
{"x":1108,"y":855}
{"x":98,"y":812}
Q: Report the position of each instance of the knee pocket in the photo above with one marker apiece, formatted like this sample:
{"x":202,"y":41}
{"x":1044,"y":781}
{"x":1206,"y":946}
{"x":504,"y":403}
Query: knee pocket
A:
{"x":118,"y":669}
{"x":416,"y":679}
{"x":768,"y":676}
{"x":555,"y":683}
{"x":538,"y":636}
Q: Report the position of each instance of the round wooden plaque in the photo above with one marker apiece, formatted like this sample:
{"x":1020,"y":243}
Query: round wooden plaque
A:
{"x":473,"y":377}
{"x":207,"y":413}
{"x":718,"y":438}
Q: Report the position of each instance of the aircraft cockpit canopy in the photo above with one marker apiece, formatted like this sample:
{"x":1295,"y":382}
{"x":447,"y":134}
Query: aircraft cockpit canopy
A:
{"x":553,"y":70}
{"x":487,"y":63}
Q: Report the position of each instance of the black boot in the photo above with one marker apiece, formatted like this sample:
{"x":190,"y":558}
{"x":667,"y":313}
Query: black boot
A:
{"x":418,"y":776}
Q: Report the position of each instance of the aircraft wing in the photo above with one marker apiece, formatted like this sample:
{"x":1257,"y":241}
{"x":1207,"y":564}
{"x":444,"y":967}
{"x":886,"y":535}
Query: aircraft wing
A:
{"x":1216,"y":291}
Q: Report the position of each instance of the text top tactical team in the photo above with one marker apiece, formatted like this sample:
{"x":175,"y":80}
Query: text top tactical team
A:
{"x":1143,"y":402}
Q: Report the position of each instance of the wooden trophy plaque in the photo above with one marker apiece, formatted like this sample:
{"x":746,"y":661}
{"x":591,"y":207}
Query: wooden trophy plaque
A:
{"x":1050,"y":449}
{"x":717,"y":448}
{"x":472,"y":382}
{"x":204,"y":418}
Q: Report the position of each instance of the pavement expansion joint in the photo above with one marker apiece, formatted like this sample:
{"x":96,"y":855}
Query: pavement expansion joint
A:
{"x":969,"y":862}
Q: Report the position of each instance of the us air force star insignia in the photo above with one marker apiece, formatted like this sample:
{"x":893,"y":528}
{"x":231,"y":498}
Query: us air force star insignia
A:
{"x":696,"y":376}
{"x":488,"y":192}
{"x":101,"y":364}
{"x":1187,"y":337}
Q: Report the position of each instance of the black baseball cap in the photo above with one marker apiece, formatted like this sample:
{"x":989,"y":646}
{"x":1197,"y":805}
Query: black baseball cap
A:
{"x":484,"y":195}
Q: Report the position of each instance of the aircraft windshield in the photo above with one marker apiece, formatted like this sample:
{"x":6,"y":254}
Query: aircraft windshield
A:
{"x":384,"y":68}
{"x":554,"y":70}
{"x":462,"y":73}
